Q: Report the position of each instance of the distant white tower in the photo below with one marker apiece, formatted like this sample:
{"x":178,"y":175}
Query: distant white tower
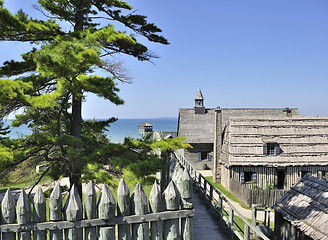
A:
{"x":145,"y":129}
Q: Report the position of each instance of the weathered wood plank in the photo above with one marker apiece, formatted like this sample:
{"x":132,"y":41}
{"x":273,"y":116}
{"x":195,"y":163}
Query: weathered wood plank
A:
{"x":106,"y":209}
{"x":171,"y":202}
{"x":156,"y":205}
{"x":186,"y":192}
{"x":97,"y":222}
{"x":90,"y":208}
{"x":23,"y":212}
{"x":8,"y":214}
{"x":74,"y":211}
{"x":140,"y":231}
{"x":39,"y":213}
{"x":55,"y":211}
{"x":123,"y":209}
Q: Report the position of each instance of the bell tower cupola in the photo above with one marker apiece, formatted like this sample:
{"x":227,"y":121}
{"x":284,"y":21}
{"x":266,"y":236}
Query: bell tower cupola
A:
{"x":199,"y":102}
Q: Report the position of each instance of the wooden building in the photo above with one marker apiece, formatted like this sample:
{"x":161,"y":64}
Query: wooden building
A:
{"x":203,"y":128}
{"x":273,"y":152}
{"x":302,"y":213}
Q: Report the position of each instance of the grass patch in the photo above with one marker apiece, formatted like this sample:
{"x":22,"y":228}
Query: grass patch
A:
{"x":227,"y":193}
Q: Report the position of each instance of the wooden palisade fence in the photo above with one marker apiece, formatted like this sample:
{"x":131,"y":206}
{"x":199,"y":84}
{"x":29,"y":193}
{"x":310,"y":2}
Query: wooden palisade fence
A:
{"x":218,"y":201}
{"x":168,"y":216}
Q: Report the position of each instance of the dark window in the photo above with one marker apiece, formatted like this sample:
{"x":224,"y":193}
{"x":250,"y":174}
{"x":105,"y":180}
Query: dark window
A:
{"x":202,"y":156}
{"x":247,"y":177}
{"x":271,"y":149}
{"x":281,"y":179}
{"x":303,"y":173}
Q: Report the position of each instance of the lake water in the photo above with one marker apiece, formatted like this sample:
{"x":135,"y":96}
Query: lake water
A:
{"x":118,"y":130}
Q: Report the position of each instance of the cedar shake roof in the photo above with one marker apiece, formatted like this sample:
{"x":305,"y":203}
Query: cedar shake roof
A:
{"x":199,"y":128}
{"x":305,"y":206}
{"x":301,"y":140}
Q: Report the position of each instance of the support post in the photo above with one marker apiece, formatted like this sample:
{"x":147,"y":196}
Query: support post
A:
{"x":231,"y":216}
{"x":246,"y":232}
{"x":217,"y":145}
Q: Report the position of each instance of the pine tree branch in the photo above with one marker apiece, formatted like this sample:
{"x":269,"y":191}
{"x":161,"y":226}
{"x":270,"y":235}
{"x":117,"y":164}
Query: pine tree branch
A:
{"x":42,"y":175}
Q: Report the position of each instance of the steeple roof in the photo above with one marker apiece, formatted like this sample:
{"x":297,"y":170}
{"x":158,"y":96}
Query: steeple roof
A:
{"x":199,"y":95}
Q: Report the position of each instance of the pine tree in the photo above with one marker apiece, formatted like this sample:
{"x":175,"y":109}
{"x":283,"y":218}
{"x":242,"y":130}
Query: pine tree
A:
{"x":51,"y":81}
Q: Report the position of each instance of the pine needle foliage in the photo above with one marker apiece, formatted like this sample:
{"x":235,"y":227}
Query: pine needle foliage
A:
{"x":50,"y":82}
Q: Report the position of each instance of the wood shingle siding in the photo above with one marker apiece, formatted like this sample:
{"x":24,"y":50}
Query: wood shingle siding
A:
{"x":302,"y":141}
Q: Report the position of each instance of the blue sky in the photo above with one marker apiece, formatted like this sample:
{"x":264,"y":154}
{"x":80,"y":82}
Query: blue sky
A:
{"x":241,"y":53}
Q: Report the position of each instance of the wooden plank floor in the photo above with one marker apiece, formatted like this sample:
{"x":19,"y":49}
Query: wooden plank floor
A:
{"x":205,"y":225}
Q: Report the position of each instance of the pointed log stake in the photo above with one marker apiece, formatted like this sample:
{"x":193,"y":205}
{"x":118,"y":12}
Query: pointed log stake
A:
{"x":139,"y":206}
{"x":74,"y":211}
{"x":23,"y":211}
{"x":172,"y":164}
{"x":155,"y":205}
{"x":123,"y":209}
{"x":178,"y":175}
{"x":171,"y":202}
{"x":186,"y":191}
{"x":106,"y":209}
{"x":90,"y":206}
{"x":8,"y":213}
{"x":39,"y":213}
{"x":55,"y":211}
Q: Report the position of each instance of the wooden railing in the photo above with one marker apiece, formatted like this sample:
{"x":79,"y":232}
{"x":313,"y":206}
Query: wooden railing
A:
{"x":168,"y":216}
{"x":218,"y":201}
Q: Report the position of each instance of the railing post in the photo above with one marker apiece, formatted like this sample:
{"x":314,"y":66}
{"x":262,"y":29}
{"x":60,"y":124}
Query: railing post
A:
{"x":211,"y":193}
{"x":254,"y":216}
{"x":171,"y":203}
{"x":55,"y":211}
{"x":155,"y":205}
{"x":140,"y":231}
{"x":39,"y":213}
{"x":269,"y":218}
{"x":90,"y":208}
{"x":221,"y":208}
{"x":231,"y":216}
{"x":246,"y":232}
{"x":123,"y":209}
{"x":8,"y":213}
{"x":106,"y":210}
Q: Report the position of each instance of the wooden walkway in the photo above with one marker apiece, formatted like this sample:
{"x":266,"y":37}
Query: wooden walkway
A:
{"x":206,"y":226}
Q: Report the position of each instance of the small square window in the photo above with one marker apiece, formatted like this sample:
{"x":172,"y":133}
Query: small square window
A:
{"x":271,"y":149}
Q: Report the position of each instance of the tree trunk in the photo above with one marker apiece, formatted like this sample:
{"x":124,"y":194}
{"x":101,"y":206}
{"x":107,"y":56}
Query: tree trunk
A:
{"x":76,"y":124}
